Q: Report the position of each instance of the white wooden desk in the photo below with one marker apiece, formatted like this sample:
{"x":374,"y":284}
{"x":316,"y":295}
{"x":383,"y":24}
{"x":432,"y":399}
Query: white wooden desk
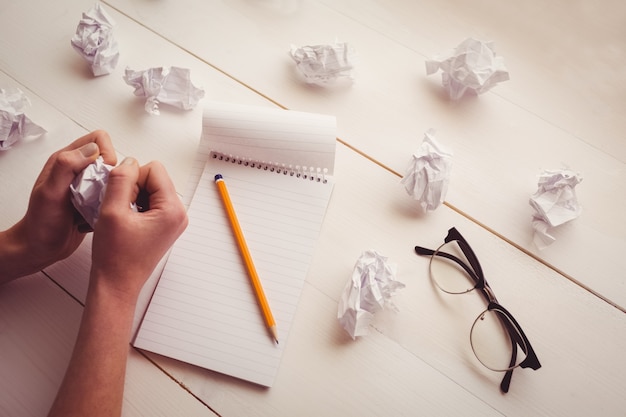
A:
{"x":563,"y":106}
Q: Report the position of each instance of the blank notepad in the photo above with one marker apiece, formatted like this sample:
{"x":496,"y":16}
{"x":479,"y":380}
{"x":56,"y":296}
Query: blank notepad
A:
{"x":204,"y":310}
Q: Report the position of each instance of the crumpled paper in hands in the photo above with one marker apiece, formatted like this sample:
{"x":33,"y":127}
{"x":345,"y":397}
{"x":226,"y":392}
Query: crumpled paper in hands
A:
{"x":171,"y":86}
{"x":472,"y":67}
{"x":88,"y":189}
{"x":370,"y":289}
{"x":428,"y":173}
{"x":324,"y":64}
{"x":14,"y":124}
{"x":94,"y":40}
{"x":555,"y":203}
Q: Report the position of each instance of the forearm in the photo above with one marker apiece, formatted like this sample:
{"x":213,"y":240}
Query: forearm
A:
{"x":94,"y":381}
{"x":14,"y":258}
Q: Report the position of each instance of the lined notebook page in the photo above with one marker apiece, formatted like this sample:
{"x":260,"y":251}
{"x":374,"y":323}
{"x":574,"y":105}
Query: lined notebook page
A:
{"x":204,"y":310}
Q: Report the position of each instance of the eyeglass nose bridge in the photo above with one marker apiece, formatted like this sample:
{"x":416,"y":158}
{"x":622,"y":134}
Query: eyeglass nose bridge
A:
{"x":488,"y":292}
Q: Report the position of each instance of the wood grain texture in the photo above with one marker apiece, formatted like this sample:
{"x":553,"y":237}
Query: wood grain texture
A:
{"x":561,"y":108}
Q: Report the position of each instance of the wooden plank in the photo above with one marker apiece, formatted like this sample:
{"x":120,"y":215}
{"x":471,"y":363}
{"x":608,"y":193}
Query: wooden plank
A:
{"x":572,"y":81}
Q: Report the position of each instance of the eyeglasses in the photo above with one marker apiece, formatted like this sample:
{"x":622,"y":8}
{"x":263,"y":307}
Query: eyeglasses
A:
{"x":495,"y":335}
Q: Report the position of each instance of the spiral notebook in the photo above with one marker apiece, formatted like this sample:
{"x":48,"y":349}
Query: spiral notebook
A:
{"x":278,"y":166}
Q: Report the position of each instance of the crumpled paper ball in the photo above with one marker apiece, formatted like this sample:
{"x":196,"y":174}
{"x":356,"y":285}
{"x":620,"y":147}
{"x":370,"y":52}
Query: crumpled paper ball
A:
{"x":555,"y":203}
{"x":88,"y":189}
{"x":370,"y":289}
{"x":472,"y":67}
{"x":324,"y":64}
{"x":94,"y":41}
{"x":428,"y":173}
{"x":14,"y":124}
{"x":171,"y":86}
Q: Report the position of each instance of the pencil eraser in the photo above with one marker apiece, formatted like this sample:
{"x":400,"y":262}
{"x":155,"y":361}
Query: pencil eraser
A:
{"x":218,"y":177}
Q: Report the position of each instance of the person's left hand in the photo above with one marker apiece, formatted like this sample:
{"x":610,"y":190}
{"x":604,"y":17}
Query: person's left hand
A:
{"x":52,"y":229}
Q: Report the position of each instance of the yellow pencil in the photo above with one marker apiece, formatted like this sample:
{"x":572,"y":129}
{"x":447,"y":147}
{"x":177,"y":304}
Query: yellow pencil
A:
{"x":247,"y":258}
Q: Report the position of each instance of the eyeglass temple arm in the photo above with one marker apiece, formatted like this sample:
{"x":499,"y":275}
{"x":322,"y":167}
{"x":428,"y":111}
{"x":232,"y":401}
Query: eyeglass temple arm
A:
{"x":515,"y":341}
{"x":424,"y":251}
{"x":454,"y":234}
{"x":506,"y":381}
{"x":531,"y":361}
{"x":518,"y":338}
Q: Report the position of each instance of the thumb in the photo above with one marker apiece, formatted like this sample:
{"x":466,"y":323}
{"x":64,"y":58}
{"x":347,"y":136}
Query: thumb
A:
{"x":122,"y":188}
{"x":70,"y":163}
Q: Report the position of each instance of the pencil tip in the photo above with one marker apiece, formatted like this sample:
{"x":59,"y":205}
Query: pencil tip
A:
{"x":274,"y":333}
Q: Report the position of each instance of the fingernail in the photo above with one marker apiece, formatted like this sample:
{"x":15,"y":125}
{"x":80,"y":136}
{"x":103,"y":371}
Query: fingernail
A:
{"x":89,"y":149}
{"x":129,"y":160}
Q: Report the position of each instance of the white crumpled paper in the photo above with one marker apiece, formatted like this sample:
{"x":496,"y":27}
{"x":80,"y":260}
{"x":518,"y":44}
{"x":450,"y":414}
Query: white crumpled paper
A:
{"x":324,"y":64}
{"x":171,"y":86}
{"x":14,"y":124}
{"x":94,"y":40}
{"x":370,"y":289}
{"x":472,"y":67}
{"x":428,"y":173}
{"x":88,"y":189}
{"x":555,"y":203}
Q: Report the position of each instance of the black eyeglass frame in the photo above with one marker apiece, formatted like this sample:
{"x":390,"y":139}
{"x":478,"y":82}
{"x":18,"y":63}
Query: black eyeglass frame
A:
{"x":474,"y":270}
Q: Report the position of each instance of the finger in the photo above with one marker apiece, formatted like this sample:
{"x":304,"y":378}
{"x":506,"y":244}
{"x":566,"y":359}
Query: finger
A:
{"x":153,"y":178}
{"x":164,"y":203}
{"x":63,"y":167}
{"x":100,"y":138}
{"x":121,"y":188}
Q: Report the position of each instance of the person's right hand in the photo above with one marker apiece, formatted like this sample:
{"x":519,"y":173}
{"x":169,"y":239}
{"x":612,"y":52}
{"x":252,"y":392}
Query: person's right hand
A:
{"x":127,"y":245}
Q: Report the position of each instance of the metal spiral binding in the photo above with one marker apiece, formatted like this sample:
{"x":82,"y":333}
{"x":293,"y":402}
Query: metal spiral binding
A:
{"x":306,"y":173}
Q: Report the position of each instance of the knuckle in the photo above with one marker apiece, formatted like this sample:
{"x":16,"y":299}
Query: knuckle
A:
{"x":100,"y":133}
{"x":178,"y":216}
{"x":64,"y":160}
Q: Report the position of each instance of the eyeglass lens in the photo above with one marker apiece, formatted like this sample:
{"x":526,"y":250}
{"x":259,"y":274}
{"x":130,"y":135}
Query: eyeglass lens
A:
{"x":492,"y":341}
{"x":449,"y":274}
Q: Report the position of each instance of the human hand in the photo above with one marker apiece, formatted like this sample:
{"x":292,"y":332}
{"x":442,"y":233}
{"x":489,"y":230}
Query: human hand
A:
{"x":127,"y":244}
{"x":52,"y":229}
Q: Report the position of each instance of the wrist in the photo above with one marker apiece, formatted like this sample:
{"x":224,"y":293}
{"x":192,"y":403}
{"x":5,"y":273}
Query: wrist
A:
{"x":115,"y":289}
